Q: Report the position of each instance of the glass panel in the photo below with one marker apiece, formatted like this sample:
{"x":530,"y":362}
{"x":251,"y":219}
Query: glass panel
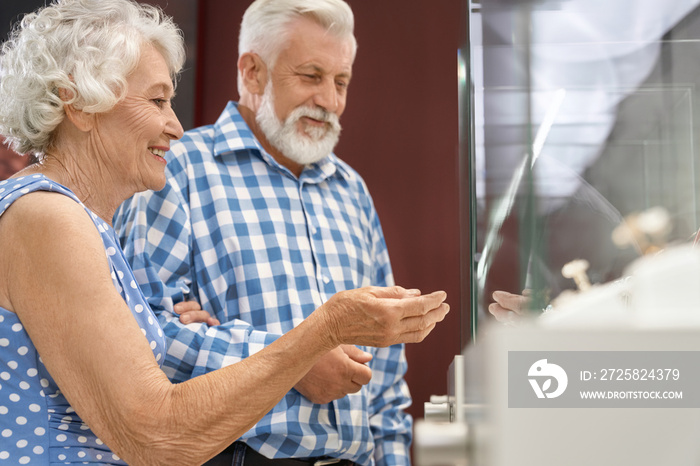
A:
{"x":579,"y":124}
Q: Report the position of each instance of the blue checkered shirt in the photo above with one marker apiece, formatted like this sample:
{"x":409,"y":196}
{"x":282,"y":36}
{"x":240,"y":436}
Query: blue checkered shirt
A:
{"x":261,"y":249}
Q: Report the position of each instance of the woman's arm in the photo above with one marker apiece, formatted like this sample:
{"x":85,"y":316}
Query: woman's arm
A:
{"x":61,"y":289}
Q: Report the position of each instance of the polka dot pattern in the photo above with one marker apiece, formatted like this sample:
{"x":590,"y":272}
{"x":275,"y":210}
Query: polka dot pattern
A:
{"x":37,"y":425}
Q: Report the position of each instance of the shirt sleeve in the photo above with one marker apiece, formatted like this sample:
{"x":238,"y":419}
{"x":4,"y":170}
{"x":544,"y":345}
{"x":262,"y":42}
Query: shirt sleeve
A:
{"x":391,"y":425}
{"x":155,"y":232}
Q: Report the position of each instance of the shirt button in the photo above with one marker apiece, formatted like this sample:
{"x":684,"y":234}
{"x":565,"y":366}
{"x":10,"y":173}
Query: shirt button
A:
{"x":325,"y":279}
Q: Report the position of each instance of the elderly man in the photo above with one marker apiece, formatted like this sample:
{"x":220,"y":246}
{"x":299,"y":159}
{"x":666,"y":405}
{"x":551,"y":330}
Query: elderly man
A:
{"x":261,"y":223}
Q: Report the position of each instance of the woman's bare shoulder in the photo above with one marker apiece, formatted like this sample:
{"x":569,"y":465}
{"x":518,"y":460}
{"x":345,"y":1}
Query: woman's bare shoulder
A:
{"x":42,"y":235}
{"x":41,"y":215}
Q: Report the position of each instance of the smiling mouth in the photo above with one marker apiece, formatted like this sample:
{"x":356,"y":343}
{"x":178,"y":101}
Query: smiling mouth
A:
{"x":158,"y":152}
{"x":313,"y":121}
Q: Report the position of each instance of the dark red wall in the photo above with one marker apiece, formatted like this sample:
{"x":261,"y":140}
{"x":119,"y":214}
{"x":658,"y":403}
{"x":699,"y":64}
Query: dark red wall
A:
{"x":400,"y":131}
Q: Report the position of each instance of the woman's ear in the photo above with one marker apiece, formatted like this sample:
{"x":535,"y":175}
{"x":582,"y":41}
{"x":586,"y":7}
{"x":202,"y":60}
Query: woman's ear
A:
{"x":83,"y":121}
{"x":253,"y":73}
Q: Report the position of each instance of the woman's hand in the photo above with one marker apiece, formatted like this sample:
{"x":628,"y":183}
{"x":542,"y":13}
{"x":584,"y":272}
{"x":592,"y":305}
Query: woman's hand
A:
{"x":508,"y":307}
{"x":191,"y":313}
{"x":377,"y":316}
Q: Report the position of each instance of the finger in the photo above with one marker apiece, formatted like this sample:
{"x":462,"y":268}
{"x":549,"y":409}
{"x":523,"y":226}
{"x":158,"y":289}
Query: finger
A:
{"x":185,"y":306}
{"x":194,"y":317}
{"x":213,"y":321}
{"x":420,"y":326}
{"x":395,"y":292}
{"x":356,"y":354}
{"x":361,"y":374}
{"x":418,"y":335}
{"x":353,"y":388}
{"x":422,"y":305}
{"x":510,"y":301}
{"x":438,"y":314}
{"x":501,"y":314}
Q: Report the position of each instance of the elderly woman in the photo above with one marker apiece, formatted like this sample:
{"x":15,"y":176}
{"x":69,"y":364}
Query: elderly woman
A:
{"x":86,"y":85}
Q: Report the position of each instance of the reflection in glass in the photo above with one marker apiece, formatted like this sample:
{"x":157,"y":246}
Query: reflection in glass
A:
{"x":581,"y":115}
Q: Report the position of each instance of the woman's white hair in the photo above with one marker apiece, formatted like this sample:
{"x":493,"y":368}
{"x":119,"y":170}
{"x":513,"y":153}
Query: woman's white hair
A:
{"x":265,"y":25}
{"x":87,"y":47}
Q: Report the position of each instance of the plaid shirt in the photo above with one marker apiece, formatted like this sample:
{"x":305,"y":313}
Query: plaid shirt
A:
{"x":261,"y":250}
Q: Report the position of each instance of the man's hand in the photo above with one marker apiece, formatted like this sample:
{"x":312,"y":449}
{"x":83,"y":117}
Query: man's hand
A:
{"x":191,"y":313}
{"x":336,"y":374}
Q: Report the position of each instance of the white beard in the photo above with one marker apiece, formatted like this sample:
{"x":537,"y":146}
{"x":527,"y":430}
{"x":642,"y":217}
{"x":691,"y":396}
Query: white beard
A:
{"x":305,"y":148}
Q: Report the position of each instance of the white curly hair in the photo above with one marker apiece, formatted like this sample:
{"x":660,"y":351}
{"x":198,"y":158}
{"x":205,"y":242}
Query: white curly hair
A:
{"x":88,"y":47}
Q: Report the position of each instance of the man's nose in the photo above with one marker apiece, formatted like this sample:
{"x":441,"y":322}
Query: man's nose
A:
{"x":327,"y":96}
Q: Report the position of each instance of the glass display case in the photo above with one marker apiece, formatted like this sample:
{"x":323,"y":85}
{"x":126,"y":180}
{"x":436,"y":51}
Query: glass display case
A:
{"x":578,"y":145}
{"x":579,"y":142}
{"x":579,"y":139}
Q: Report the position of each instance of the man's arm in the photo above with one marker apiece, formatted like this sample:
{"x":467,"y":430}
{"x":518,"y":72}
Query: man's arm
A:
{"x":155,"y":232}
{"x":336,"y":374}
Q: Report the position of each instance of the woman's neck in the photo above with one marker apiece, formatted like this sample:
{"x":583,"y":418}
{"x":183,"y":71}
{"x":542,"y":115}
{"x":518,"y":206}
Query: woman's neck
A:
{"x":87,"y":183}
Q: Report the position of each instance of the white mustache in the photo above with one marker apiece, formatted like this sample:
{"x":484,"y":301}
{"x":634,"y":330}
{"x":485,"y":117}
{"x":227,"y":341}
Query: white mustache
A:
{"x":317,"y":113}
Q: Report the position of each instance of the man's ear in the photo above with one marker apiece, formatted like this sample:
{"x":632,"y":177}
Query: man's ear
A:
{"x":83,"y":121}
{"x":253,"y":73}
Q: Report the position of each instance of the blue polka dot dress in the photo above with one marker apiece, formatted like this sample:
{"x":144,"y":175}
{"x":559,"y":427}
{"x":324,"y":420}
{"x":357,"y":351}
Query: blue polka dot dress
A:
{"x":37,"y":425}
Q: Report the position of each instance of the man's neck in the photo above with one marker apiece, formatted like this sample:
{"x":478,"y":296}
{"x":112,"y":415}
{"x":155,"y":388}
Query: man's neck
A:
{"x":249,"y":117}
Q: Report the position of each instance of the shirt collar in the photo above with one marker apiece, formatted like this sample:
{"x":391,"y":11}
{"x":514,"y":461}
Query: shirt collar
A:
{"x":231,"y":134}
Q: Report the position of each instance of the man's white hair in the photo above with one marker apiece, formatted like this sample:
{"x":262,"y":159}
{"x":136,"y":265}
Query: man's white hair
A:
{"x":265,"y":25}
